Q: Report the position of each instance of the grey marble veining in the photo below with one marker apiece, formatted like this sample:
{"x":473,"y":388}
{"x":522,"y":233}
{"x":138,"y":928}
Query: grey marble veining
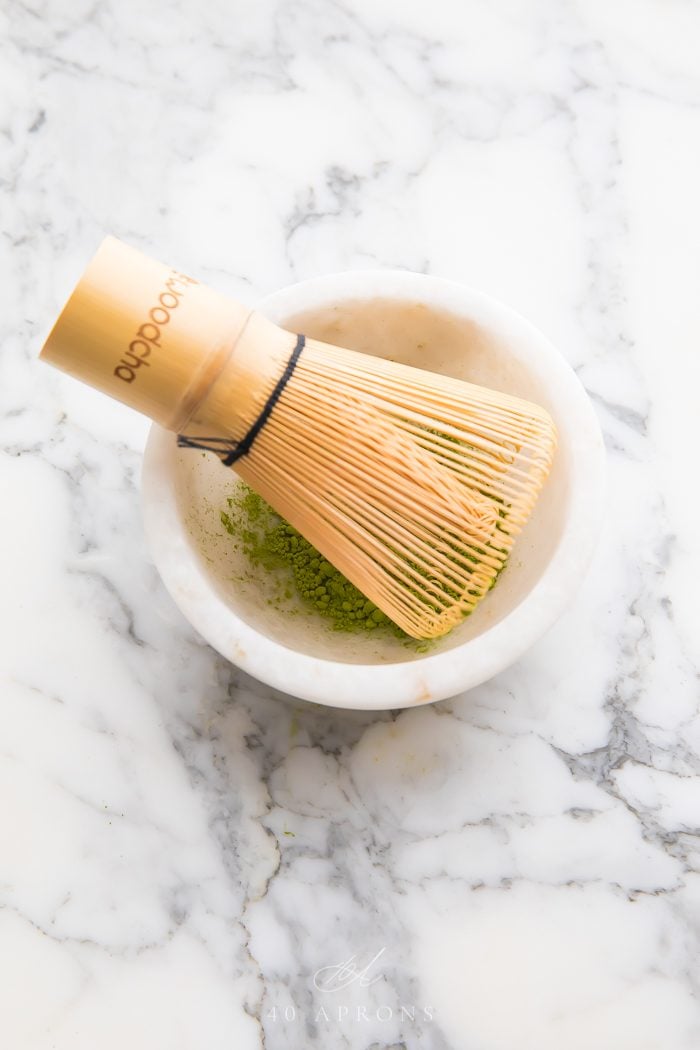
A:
{"x":190,"y":861}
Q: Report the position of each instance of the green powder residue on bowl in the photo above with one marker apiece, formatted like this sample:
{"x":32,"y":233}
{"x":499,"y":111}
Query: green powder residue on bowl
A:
{"x":271,"y":543}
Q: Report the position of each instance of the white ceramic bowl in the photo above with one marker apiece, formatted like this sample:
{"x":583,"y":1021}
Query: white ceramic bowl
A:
{"x":184,"y":491}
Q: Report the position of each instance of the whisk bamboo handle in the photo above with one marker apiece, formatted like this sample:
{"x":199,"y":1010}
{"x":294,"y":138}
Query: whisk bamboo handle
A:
{"x":161,"y":342}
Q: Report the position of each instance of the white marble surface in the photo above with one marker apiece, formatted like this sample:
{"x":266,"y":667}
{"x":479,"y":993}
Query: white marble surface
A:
{"x":180,"y":851}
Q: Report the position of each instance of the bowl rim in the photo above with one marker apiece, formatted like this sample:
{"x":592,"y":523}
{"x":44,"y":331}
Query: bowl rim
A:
{"x":428,"y":677}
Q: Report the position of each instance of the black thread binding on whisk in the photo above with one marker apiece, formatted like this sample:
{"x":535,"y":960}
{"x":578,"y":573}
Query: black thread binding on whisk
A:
{"x":229,"y":451}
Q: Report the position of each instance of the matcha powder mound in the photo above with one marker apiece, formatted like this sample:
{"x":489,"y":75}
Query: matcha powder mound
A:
{"x":272,"y":543}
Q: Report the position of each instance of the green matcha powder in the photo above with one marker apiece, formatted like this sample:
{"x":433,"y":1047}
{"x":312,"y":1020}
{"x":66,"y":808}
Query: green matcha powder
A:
{"x":271,"y":543}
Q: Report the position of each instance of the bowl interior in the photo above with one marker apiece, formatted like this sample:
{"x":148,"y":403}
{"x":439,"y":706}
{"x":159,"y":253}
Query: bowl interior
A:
{"x":405,"y":327}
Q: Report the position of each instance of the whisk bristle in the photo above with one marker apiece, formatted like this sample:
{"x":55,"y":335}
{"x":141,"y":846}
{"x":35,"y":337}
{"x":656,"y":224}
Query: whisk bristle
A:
{"x":413,"y":484}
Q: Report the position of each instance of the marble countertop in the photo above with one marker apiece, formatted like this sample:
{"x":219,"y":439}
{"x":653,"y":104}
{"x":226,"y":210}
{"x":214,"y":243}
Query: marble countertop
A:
{"x":189,"y":861}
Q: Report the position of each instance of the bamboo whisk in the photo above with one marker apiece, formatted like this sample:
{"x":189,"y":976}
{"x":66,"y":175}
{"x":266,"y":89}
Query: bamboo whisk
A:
{"x":412,"y":484}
